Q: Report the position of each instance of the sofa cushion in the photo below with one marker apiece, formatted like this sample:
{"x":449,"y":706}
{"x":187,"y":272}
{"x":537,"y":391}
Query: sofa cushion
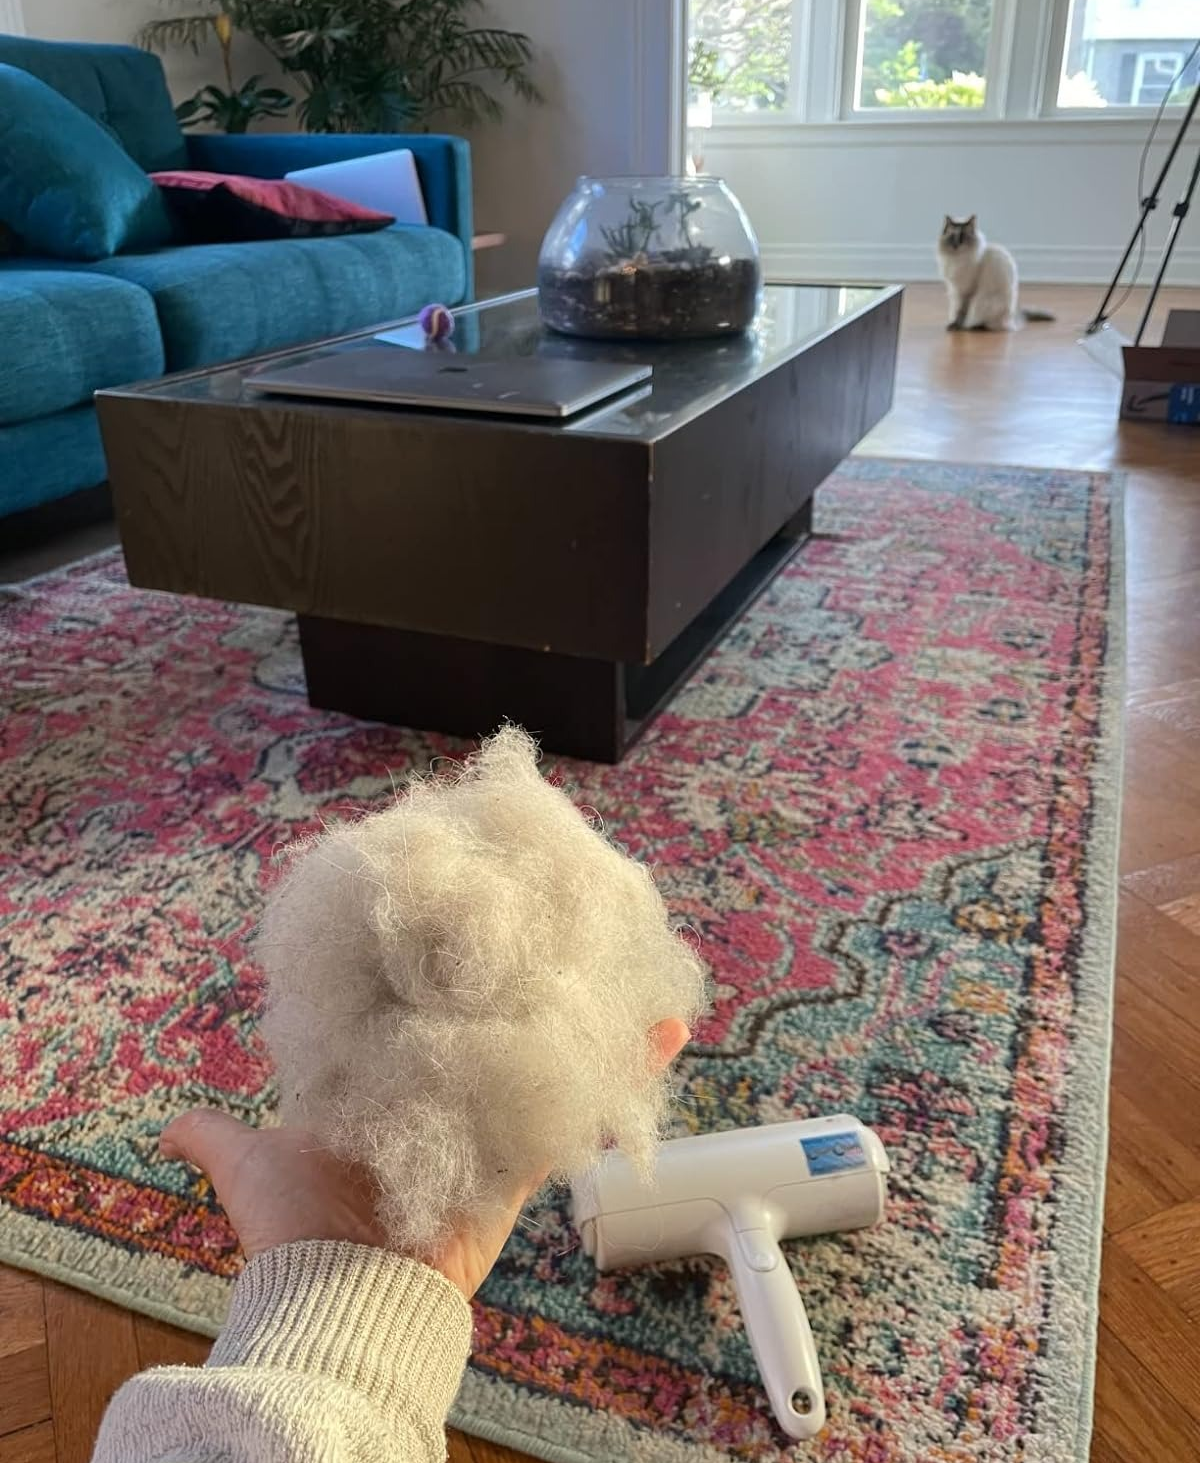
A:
{"x":120,"y":87}
{"x":49,"y":458}
{"x":217,"y":302}
{"x":68,"y":333}
{"x":66,"y":185}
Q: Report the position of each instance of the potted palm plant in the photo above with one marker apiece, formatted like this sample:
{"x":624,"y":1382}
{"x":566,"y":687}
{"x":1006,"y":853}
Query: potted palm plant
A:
{"x":231,"y":108}
{"x":377,"y":65}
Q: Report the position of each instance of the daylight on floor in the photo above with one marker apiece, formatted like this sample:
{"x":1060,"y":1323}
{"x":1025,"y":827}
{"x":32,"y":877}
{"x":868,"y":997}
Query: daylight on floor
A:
{"x":599,"y":731}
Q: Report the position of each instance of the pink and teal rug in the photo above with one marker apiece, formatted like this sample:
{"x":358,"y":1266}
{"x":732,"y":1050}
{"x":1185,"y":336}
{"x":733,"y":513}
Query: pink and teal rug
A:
{"x":888,"y":806}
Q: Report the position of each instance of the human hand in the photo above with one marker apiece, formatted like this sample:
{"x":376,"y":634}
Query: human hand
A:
{"x":279,"y":1185}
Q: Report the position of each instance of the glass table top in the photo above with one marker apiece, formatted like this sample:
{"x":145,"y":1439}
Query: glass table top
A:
{"x":689,"y":377}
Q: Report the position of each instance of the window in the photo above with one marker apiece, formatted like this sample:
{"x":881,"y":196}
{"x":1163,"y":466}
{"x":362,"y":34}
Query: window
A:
{"x":740,"y":56}
{"x":925,"y":61}
{"x":1127,"y":53}
{"x":922,"y":54}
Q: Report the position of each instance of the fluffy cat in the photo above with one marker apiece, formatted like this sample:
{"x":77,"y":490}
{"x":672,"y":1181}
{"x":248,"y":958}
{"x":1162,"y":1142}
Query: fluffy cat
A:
{"x":981,"y":279}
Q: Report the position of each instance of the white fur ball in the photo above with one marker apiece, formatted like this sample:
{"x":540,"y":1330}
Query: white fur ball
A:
{"x":461,"y":990}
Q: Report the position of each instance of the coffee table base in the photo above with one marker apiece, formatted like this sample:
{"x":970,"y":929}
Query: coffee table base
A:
{"x":592,"y":709}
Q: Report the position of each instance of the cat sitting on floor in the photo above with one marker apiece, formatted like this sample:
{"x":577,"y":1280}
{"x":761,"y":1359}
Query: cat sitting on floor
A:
{"x":981,"y":279}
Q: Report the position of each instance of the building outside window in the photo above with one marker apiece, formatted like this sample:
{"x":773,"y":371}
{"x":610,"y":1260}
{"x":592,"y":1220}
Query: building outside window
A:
{"x":1129,"y":51}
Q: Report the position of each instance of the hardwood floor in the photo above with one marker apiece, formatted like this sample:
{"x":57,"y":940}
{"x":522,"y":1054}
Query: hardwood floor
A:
{"x":1033,"y":398}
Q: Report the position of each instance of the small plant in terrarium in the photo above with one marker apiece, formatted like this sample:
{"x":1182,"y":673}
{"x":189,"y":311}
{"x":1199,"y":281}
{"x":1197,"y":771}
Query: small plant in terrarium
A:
{"x":632,"y":238}
{"x":656,"y":258}
{"x":685,"y":204}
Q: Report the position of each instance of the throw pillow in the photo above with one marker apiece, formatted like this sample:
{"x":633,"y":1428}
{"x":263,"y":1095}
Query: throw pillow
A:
{"x":66,"y":186}
{"x":221,"y":208}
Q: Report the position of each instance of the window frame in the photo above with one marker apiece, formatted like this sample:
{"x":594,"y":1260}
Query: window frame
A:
{"x":1023,"y":70}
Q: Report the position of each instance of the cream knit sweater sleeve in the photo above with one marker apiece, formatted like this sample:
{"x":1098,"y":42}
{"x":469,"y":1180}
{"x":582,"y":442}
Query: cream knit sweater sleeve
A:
{"x":332,"y":1352}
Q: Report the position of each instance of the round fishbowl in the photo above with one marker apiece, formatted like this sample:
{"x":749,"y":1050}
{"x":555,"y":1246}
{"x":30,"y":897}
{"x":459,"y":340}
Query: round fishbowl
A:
{"x":650,"y":259}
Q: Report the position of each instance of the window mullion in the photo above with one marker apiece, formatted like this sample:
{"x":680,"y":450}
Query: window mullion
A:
{"x":800,"y":92}
{"x":1037,"y":43}
{"x":998,"y":67}
{"x":818,"y":37}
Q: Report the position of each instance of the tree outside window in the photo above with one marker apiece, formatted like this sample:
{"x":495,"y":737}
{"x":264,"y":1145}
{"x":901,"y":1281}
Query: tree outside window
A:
{"x":741,"y":53}
{"x":923,"y":53}
{"x":914,"y":53}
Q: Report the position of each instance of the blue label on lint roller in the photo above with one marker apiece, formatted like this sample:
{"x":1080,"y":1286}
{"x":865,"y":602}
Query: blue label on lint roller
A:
{"x":833,"y":1153}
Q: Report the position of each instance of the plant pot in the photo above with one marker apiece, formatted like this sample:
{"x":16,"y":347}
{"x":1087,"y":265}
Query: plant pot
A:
{"x":650,"y":259}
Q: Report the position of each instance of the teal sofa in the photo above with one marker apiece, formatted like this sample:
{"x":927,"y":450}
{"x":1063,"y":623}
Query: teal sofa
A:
{"x":70,"y":329}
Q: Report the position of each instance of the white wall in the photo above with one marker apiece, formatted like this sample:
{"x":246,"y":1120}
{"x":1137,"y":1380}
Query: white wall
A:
{"x":865,"y":201}
{"x":606,"y":69}
{"x":118,"y":22}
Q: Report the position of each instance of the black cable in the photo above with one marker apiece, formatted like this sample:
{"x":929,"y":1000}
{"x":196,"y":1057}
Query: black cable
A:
{"x":1141,"y":183}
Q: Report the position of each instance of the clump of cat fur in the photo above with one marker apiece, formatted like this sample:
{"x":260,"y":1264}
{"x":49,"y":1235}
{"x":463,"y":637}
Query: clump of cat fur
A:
{"x":461,"y":990}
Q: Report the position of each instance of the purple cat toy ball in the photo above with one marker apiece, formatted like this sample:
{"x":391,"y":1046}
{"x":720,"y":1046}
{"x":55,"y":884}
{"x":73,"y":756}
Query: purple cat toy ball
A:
{"x":438,"y":324}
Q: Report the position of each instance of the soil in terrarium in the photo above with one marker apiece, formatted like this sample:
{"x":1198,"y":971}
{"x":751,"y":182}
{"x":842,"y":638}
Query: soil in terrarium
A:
{"x":635,"y":286}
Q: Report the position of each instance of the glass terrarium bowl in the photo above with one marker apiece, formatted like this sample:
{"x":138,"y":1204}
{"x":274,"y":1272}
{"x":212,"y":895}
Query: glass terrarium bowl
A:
{"x":650,"y":259}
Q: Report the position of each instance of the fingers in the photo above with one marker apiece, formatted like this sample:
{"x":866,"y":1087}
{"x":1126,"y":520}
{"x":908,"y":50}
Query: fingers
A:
{"x":203,"y":1138}
{"x":668,"y":1039}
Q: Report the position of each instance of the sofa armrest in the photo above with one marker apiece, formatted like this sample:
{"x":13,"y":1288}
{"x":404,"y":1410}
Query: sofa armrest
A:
{"x":443,"y":166}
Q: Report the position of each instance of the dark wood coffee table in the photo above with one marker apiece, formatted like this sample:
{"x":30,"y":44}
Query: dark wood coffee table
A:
{"x":451,"y":571}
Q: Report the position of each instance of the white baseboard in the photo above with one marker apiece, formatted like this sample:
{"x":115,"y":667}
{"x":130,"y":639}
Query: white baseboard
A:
{"x":1039,"y":263}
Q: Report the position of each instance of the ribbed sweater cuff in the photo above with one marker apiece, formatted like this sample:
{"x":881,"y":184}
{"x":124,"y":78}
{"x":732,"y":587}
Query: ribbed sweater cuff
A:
{"x":392,"y":1329}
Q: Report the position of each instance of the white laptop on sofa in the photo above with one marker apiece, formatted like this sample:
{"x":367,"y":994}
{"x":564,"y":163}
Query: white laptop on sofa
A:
{"x":384,"y":181}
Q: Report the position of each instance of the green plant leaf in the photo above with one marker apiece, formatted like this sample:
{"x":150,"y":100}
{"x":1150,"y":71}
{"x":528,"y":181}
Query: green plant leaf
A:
{"x":191,"y":31}
{"x":367,"y":64}
{"x":466,"y":100}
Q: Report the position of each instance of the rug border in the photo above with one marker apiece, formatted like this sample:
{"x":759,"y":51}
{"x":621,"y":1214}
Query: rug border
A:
{"x":1079,"y":1263}
{"x":51,"y":1250}
{"x":1078,"y":1257}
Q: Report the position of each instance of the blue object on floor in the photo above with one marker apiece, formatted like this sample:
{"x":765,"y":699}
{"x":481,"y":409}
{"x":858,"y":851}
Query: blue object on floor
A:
{"x":1183,"y":405}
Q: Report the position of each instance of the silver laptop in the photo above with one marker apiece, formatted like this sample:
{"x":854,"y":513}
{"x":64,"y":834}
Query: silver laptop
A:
{"x":526,"y":386}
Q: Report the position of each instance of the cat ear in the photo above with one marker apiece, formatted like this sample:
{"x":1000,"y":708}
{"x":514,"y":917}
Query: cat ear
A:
{"x":947,"y":223}
{"x":970,"y":223}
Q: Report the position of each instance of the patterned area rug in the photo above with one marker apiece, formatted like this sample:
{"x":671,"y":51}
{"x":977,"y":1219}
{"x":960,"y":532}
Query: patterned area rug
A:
{"x":888,"y":805}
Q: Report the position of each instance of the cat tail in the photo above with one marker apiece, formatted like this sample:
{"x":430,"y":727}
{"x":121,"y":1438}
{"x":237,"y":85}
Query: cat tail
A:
{"x":1037,"y":316}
